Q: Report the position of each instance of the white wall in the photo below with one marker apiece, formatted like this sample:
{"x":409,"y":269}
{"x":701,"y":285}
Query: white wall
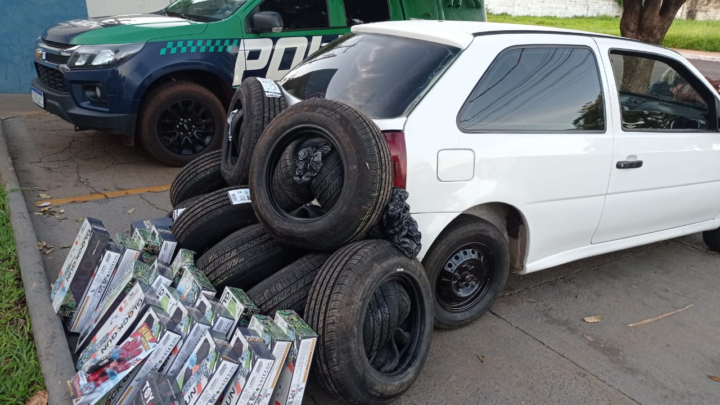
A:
{"x":555,"y":8}
{"x":98,"y":8}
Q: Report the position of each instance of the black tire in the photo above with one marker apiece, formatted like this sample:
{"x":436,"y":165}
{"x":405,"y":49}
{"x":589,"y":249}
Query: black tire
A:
{"x":172,"y":141}
{"x":201,"y":176}
{"x":184,"y":205}
{"x":712,"y":239}
{"x":328,"y":184}
{"x":257,"y":111}
{"x":338,"y":304}
{"x":210,"y":219}
{"x":480,"y":250}
{"x":361,"y":147}
{"x":245,"y":258}
{"x":289,"y":287}
{"x":284,"y":179}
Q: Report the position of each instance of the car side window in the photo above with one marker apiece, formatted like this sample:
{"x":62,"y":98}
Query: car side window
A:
{"x":537,"y":89}
{"x":299,"y":15}
{"x":366,"y":11}
{"x":657,"y":96}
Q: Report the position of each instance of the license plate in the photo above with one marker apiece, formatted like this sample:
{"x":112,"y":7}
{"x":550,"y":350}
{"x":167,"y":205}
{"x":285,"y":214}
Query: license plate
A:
{"x":37,"y":96}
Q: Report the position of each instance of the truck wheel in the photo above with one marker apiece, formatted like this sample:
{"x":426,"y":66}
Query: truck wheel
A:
{"x":198,"y":177}
{"x":712,"y":239}
{"x":245,"y":258}
{"x":362,"y":150}
{"x":255,"y":110}
{"x":211,"y":218}
{"x":289,"y":287}
{"x":468,"y":266}
{"x":343,"y":295}
{"x":180,"y":121}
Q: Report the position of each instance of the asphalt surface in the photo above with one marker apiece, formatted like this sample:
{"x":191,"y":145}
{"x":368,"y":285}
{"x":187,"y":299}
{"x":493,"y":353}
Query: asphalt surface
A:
{"x":535,"y":346}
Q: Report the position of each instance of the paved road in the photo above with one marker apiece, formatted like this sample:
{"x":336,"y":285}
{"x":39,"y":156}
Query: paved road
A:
{"x":709,"y":69}
{"x":535,"y":345}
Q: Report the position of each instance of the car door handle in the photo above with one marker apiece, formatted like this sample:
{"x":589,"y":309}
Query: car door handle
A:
{"x":629,"y":164}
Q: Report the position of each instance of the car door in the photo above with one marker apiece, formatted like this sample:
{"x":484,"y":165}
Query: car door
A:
{"x":666,"y":161}
{"x":307,"y":25}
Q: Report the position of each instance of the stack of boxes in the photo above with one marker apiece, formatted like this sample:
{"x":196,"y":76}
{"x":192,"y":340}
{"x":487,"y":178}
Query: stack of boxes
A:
{"x":152,"y":329}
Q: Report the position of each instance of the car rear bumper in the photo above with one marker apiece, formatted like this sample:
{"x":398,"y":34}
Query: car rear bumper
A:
{"x":63,"y":105}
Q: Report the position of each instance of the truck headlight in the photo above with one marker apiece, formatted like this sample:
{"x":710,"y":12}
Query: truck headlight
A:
{"x":89,"y":56}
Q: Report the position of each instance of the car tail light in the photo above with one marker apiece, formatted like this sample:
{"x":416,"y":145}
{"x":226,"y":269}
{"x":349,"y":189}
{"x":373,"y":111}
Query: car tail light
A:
{"x":396,"y":141}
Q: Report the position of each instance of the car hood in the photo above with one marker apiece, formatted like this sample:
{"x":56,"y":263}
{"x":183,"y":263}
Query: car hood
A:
{"x":121,"y":29}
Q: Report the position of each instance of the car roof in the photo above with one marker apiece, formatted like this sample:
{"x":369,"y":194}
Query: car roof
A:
{"x":458,"y":33}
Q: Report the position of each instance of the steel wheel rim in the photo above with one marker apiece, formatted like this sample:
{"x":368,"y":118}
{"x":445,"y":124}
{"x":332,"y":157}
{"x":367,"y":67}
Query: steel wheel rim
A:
{"x":465,"y":277}
{"x":186,"y":127}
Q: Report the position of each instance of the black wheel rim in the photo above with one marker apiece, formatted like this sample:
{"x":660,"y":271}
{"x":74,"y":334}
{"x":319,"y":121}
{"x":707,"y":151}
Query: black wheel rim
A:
{"x":186,"y":127}
{"x":465,"y":277}
{"x":231,"y":153}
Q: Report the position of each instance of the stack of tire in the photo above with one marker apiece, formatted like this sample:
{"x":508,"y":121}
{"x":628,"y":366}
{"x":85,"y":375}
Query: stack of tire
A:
{"x":302,"y":241}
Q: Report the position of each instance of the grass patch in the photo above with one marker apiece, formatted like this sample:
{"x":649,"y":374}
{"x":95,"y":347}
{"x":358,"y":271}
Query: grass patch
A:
{"x":20,"y":376}
{"x":683,"y":34}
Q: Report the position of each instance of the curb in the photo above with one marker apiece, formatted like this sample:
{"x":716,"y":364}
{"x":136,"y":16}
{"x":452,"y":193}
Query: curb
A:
{"x":56,"y":364}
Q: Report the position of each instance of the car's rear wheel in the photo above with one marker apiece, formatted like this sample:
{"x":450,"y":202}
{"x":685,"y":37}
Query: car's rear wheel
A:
{"x":712,"y":239}
{"x":180,"y":121}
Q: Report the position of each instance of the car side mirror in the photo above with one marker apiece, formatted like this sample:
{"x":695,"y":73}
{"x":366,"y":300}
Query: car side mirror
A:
{"x":267,"y":21}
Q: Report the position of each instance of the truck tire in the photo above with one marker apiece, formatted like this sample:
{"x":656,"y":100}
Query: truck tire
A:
{"x":245,"y":258}
{"x":336,"y":308}
{"x":210,"y":219}
{"x":198,"y":177}
{"x":712,"y":239}
{"x":468,"y":265}
{"x":361,"y":147}
{"x":289,"y":287}
{"x":257,"y":110}
{"x":180,"y":121}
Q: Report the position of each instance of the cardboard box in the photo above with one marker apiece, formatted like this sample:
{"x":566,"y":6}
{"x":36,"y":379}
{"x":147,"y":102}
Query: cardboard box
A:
{"x":256,"y":362}
{"x":96,"y":289}
{"x":279,"y":344}
{"x":77,"y":271}
{"x":228,"y":363}
{"x":239,"y":305}
{"x":195,"y":374}
{"x":293,"y":377}
{"x":218,"y":316}
{"x":163,"y":329}
{"x":145,"y":239}
{"x":193,"y":283}
{"x":197,"y":328}
{"x":183,"y":259}
{"x":167,"y":242}
{"x":147,"y":224}
{"x":89,"y":386}
{"x":159,"y":389}
{"x":164,"y":274}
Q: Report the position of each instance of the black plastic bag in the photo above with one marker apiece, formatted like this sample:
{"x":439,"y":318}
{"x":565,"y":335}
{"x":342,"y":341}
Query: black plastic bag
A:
{"x":398,"y":226}
{"x":308,"y":162}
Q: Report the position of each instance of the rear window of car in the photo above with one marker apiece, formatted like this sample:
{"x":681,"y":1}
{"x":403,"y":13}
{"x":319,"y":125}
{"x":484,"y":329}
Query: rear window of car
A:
{"x":382,"y":76}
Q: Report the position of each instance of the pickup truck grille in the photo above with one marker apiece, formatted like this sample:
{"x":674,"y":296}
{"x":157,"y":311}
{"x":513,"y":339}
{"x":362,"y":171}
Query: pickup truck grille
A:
{"x":57,"y":45}
{"x":50,"y":77}
{"x":56,"y":59}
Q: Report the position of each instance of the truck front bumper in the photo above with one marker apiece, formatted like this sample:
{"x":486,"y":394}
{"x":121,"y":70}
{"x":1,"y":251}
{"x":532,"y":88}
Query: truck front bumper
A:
{"x":63,"y":105}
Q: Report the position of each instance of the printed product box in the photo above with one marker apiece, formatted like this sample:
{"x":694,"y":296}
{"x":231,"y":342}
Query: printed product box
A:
{"x":225,"y":369}
{"x":162,"y":328}
{"x":147,"y":242}
{"x":77,"y":271}
{"x":118,"y":326}
{"x":166,"y":297}
{"x":164,"y":274}
{"x":96,"y":289}
{"x":166,"y":240}
{"x":239,"y":305}
{"x":293,"y":377}
{"x":90,"y":385}
{"x":197,"y":328}
{"x":159,"y":389}
{"x":183,"y":259}
{"x":256,"y":362}
{"x":193,"y":283}
{"x":149,"y":223}
{"x":218,"y":316}
{"x":195,"y":374}
{"x":279,"y":344}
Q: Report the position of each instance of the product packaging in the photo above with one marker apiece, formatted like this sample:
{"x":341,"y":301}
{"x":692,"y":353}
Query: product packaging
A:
{"x":197,"y":326}
{"x":256,"y":362}
{"x":77,"y":271}
{"x":218,"y":316}
{"x":227,"y":365}
{"x":239,"y":305}
{"x":149,"y":223}
{"x":164,"y":274}
{"x":159,"y":389}
{"x":293,"y":377}
{"x":167,"y":242}
{"x":193,"y":283}
{"x":195,"y":374}
{"x":183,"y":259}
{"x":96,"y":289}
{"x":279,"y":344}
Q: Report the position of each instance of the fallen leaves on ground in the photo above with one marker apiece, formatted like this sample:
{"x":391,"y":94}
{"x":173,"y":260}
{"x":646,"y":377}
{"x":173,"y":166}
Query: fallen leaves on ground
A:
{"x":131,"y":210}
{"x":79,"y":220}
{"x":47,"y":252}
{"x":593,"y":319}
{"x":45,"y":196}
{"x":62,"y":211}
{"x":40,"y":398}
{"x":712,"y":377}
{"x":481,"y":358}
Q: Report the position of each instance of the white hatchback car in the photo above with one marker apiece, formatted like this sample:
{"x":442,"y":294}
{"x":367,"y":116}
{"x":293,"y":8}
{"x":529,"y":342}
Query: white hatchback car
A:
{"x":525,"y":147}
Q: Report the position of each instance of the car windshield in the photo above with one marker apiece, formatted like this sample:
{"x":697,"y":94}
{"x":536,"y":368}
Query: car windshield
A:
{"x":382,"y":76}
{"x":204,"y":10}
